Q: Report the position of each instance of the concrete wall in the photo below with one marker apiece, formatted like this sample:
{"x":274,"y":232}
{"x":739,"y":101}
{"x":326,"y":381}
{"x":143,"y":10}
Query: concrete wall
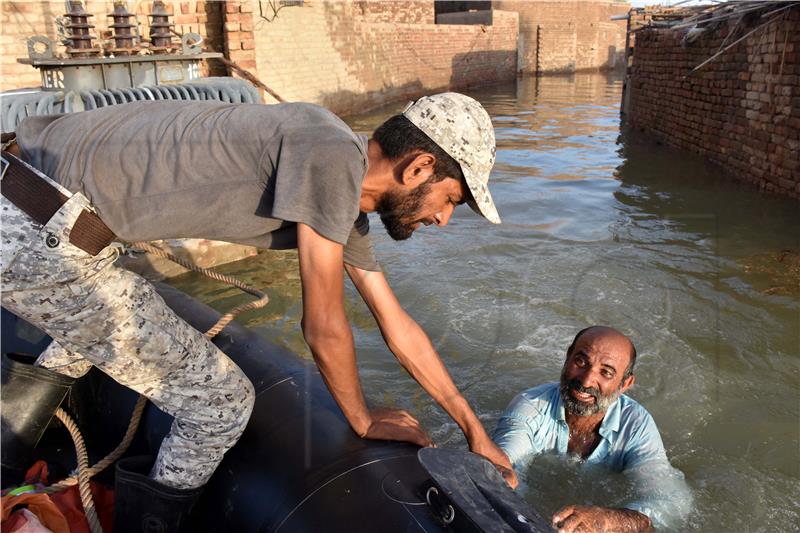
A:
{"x":21,"y":19}
{"x":741,"y":111}
{"x":557,"y":37}
{"x":348,"y":56}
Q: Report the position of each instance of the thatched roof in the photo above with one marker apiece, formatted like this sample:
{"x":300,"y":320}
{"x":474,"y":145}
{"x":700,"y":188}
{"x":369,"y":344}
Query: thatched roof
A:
{"x":743,"y":18}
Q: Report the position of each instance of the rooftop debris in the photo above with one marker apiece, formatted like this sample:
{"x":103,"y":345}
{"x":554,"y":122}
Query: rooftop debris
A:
{"x":709,"y":16}
{"x":697,"y":20}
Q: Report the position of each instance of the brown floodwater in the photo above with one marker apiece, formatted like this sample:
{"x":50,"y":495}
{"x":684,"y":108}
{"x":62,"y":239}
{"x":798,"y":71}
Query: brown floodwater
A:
{"x":600,"y":226}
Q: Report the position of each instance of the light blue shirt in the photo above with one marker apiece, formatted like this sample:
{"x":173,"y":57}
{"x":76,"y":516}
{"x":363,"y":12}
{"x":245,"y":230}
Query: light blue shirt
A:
{"x":534,"y":424}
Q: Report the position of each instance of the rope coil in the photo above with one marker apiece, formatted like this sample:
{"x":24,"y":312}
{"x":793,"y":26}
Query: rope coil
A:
{"x":85,"y":473}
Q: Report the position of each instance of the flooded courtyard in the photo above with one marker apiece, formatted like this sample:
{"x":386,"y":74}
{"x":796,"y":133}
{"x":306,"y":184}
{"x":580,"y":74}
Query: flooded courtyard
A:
{"x":599,"y":227}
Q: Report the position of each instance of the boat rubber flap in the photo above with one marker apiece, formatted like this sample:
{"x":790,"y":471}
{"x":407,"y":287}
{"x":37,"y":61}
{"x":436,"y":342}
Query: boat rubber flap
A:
{"x":469,"y":494}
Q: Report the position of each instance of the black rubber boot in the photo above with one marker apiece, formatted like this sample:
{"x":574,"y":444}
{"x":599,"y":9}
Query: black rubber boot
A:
{"x":30,"y":396}
{"x":142,"y":505}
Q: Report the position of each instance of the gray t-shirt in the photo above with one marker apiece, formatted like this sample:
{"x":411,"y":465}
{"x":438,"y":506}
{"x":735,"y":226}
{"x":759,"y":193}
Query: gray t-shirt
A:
{"x":242,"y":173}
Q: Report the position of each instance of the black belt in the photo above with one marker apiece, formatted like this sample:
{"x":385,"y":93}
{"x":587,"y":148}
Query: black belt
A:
{"x":40,"y":200}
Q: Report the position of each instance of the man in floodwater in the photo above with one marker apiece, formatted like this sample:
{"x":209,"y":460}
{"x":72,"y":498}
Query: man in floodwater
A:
{"x":586,"y":414}
{"x":278,"y":176}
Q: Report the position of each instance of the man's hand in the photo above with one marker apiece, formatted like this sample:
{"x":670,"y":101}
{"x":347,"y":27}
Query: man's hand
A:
{"x":499,"y":459}
{"x":396,"y":424}
{"x":578,"y":518}
{"x":415,"y":352}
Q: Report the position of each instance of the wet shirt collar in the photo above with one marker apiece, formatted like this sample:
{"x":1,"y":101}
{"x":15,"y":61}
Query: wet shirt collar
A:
{"x":611,"y":420}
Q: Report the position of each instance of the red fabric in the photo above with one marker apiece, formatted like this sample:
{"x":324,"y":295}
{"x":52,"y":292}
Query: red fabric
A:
{"x":37,"y":473}
{"x":69,"y":502}
{"x":61,"y":511}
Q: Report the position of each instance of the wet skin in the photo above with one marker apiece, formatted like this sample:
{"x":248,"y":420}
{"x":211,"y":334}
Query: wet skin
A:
{"x":593,"y":377}
{"x":594,"y":374}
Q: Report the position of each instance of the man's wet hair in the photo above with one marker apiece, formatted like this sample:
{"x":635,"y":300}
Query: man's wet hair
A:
{"x":398,"y":137}
{"x":628,"y":371}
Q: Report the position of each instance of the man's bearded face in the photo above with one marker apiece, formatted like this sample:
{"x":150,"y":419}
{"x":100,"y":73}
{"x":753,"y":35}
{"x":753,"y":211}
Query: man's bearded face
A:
{"x":399,"y":211}
{"x":576,"y":407}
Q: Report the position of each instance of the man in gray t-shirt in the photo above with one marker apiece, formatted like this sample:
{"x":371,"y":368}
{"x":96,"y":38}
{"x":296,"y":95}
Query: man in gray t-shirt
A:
{"x":282,"y":176}
{"x":237,"y":173}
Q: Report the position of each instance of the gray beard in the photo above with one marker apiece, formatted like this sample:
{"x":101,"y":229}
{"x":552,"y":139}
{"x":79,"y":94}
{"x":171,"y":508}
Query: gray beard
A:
{"x":574,"y":407}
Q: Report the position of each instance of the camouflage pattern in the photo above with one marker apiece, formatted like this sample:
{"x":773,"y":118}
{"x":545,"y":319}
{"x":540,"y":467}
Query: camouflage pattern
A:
{"x":59,"y":359}
{"x":462,"y":128}
{"x":104,"y":315}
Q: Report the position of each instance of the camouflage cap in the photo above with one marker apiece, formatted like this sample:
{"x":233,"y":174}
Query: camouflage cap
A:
{"x":463,"y":129}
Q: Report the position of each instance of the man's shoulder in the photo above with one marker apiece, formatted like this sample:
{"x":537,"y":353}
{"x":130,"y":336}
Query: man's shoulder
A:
{"x":541,"y":393}
{"x":536,"y":401}
{"x":316,"y":128}
{"x":634,"y":415}
{"x":304,"y":115}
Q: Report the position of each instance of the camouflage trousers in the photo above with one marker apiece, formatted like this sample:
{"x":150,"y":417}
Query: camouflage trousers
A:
{"x":100,"y":314}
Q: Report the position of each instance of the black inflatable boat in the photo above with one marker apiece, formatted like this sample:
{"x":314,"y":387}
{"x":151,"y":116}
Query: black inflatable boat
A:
{"x":298,"y":467}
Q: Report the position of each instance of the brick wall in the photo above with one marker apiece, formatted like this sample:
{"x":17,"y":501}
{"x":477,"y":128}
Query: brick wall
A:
{"x":558,"y":48}
{"x":593,"y":41}
{"x":331,"y":53}
{"x":741,"y":111}
{"x":18,"y":21}
{"x":345,"y":54}
{"x":403,"y":11}
{"x":24,"y":18}
{"x":238,"y":32}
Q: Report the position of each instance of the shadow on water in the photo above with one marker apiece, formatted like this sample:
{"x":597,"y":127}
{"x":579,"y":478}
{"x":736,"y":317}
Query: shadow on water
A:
{"x":759,"y":231}
{"x":599,"y":226}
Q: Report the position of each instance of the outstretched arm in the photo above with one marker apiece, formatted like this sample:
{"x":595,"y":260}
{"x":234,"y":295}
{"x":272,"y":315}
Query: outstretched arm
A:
{"x":330,"y":339}
{"x":415,"y":352}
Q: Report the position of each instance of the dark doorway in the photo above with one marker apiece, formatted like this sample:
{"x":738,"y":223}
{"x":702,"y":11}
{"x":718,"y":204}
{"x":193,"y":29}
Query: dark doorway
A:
{"x":441,"y":7}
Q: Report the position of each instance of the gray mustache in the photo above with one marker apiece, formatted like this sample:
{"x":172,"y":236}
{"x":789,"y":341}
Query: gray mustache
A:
{"x":576,"y":386}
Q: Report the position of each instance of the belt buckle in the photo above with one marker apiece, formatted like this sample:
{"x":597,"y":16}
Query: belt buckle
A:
{"x":4,"y":164}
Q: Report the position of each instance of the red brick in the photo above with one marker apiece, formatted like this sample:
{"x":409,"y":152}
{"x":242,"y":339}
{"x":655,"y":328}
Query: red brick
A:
{"x":184,"y":19}
{"x":245,"y":63}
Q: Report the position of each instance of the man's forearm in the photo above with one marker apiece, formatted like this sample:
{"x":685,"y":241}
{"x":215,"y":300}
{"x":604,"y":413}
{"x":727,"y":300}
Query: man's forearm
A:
{"x":413,"y":349}
{"x":334,"y":353}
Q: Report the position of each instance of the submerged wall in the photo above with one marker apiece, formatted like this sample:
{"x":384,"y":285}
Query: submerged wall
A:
{"x":742,"y":110}
{"x":352,"y":55}
{"x":569,"y":36}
